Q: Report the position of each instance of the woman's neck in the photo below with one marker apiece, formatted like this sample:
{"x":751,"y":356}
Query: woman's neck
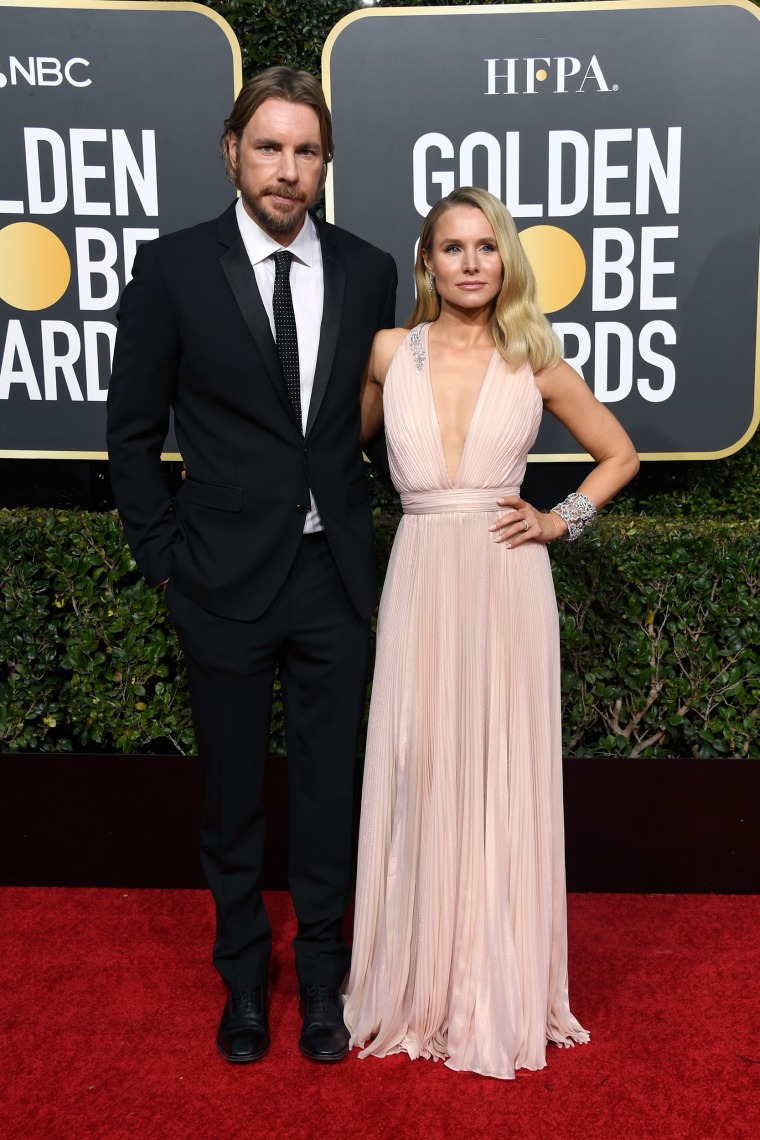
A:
{"x":463,"y":330}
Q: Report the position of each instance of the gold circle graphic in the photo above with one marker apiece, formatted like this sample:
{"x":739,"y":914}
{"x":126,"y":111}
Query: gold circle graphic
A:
{"x":541,"y":75}
{"x":35,"y":268}
{"x":558,"y":263}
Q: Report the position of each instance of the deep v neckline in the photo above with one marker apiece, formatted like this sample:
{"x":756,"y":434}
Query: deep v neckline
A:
{"x":475,"y":408}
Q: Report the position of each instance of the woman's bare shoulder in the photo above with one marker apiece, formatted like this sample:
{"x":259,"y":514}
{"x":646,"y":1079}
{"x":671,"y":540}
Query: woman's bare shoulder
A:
{"x":384,"y":348}
{"x":558,"y":381}
{"x":388,"y":340}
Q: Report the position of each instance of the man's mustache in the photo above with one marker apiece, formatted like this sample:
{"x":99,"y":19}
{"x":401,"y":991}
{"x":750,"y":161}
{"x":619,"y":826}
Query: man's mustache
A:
{"x":283,"y":192}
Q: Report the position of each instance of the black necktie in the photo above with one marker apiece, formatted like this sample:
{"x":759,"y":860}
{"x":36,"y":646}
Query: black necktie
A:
{"x":285,"y":328}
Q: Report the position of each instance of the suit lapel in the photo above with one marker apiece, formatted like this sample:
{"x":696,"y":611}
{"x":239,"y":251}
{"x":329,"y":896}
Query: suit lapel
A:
{"x":241,"y":279}
{"x":334,"y":272}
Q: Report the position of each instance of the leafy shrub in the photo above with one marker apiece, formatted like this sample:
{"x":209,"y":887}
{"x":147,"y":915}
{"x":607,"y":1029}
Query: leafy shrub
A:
{"x":660,"y":630}
{"x":88,"y":657}
{"x":660,"y":625}
{"x":289,"y":32}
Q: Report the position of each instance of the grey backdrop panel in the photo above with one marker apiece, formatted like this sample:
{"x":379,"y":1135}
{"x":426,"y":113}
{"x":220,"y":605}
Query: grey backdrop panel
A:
{"x":394,"y":76}
{"x":168,"y":70}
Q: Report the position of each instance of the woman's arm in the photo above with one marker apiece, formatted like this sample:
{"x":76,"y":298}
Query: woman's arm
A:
{"x":383,"y":350}
{"x":568,"y":397}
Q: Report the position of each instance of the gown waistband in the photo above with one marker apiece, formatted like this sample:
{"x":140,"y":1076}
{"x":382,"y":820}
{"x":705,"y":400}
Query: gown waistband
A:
{"x":454,"y":499}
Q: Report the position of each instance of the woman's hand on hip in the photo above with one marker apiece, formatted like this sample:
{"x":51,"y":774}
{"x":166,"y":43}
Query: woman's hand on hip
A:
{"x":525,"y":524}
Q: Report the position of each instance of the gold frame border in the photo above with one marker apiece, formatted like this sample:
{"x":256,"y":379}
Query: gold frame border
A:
{"x":545,"y":8}
{"x":237,"y":82}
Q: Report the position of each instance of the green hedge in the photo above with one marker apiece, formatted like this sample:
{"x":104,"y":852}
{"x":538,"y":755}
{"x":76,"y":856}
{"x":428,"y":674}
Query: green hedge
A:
{"x":89,"y":658}
{"x":660,"y":626}
{"x":660,"y":632}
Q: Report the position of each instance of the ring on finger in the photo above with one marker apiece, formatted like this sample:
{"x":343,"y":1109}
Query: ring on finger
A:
{"x":526,"y":524}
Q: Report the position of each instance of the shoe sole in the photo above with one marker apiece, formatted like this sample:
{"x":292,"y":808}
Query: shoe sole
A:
{"x":248,"y":1059}
{"x":321,"y":1059}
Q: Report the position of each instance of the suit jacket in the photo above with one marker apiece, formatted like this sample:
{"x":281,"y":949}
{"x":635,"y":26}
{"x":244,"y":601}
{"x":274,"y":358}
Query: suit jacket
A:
{"x":194,"y":336}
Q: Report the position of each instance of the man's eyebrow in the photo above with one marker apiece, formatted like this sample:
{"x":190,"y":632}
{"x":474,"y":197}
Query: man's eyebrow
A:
{"x":311,"y":143}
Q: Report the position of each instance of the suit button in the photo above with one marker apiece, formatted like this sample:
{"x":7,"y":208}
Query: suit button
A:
{"x":302,"y":508}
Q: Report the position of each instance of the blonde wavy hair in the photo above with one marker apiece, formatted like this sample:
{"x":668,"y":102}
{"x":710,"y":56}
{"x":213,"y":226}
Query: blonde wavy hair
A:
{"x":520,"y":330}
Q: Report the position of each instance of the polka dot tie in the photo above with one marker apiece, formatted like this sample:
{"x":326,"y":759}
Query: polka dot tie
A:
{"x":285,"y":328}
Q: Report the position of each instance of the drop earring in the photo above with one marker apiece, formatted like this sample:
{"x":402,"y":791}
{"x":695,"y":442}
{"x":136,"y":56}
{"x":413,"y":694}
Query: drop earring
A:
{"x":431,"y":279}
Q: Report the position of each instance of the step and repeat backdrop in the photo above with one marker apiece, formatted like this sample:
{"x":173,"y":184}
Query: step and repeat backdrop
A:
{"x":625,"y":140}
{"x":110,"y":118}
{"x":622,"y":136}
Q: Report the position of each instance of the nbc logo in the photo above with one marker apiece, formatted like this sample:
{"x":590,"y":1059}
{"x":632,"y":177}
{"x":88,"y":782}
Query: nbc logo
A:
{"x":45,"y":71}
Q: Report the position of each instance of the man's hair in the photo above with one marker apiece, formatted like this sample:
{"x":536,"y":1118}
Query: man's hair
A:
{"x":278,"y":83}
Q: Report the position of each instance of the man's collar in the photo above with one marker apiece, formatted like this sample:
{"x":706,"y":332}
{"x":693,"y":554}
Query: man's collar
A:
{"x":259,"y":245}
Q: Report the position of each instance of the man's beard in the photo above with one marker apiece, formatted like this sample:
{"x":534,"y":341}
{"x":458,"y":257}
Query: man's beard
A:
{"x":276,"y":222}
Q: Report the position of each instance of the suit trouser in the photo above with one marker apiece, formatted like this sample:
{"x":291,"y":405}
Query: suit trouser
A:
{"x":314,"y":634}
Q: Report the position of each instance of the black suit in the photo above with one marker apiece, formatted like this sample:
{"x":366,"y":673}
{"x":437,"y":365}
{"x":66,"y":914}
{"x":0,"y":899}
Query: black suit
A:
{"x":246,"y":591}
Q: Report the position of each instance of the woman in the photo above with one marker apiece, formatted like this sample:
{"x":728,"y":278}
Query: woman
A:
{"x":460,"y":947}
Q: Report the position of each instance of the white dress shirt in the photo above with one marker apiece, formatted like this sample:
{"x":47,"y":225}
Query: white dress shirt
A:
{"x":307,"y":287}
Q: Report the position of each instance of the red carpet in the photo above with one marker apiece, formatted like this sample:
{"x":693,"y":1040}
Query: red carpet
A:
{"x":109,"y":1009}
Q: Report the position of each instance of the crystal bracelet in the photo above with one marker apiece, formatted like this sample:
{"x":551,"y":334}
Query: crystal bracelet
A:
{"x":578,"y":512}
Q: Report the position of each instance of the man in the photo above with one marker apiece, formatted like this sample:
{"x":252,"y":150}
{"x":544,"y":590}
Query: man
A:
{"x":255,"y":328}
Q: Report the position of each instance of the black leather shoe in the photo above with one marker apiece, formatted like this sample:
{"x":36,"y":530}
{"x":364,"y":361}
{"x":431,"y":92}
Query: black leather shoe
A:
{"x":244,"y":1029}
{"x":324,"y":1036}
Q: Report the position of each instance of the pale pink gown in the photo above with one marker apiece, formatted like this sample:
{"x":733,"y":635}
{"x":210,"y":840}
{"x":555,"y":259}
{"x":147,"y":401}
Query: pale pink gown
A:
{"x":460,"y":944}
